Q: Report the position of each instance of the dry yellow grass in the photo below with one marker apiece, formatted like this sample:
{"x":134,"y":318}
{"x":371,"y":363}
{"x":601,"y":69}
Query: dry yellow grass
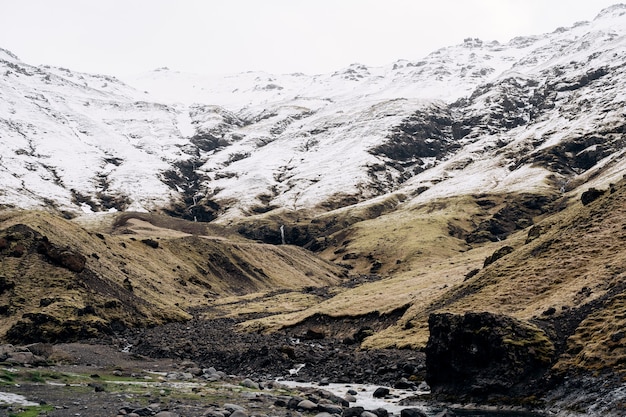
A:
{"x":576,"y":267}
{"x":262,"y":303}
{"x":134,"y":283}
{"x":419,"y":259}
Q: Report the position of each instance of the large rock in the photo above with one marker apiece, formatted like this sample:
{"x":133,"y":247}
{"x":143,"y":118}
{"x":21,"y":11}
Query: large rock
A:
{"x":63,"y":257}
{"x":478,"y":355}
{"x":412,"y":412}
{"x":381,"y":392}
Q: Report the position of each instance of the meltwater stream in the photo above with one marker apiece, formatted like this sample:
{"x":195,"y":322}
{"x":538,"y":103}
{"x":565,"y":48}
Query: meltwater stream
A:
{"x":365,"y":398}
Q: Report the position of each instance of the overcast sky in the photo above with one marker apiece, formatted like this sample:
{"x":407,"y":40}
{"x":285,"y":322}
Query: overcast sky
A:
{"x":121,"y":37}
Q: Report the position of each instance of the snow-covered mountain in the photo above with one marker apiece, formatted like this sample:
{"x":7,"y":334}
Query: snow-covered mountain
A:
{"x":539,"y":113}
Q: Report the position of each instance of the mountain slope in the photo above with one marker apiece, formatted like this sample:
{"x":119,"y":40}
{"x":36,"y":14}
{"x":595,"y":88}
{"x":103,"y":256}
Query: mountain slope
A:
{"x":60,"y":281}
{"x":466,"y":181}
{"x":540,"y":112}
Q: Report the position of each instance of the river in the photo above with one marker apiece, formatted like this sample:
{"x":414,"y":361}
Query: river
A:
{"x":364,"y":398}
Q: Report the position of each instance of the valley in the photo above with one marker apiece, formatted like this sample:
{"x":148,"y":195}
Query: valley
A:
{"x":457,"y":221}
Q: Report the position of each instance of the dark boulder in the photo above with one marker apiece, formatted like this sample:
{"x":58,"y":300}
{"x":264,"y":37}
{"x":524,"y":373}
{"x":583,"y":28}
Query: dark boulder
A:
{"x":381,"y":392}
{"x":591,"y":195}
{"x":381,"y":412}
{"x":63,"y":257}
{"x":150,"y":242}
{"x":353,"y":411}
{"x":404,"y":383}
{"x":412,"y":412}
{"x":500,"y":253}
{"x":480,"y":355}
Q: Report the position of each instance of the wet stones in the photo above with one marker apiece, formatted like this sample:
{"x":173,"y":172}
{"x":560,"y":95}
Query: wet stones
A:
{"x":330,"y":408}
{"x":381,"y":392}
{"x":412,"y":412}
{"x":306,"y":405}
{"x":353,"y":412}
{"x":248,"y":383}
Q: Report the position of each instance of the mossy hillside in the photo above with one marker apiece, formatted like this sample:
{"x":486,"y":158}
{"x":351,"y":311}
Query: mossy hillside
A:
{"x":420,"y":259}
{"x":557,"y":268}
{"x":568,"y":277}
{"x":312,"y":228}
{"x":133,"y":279}
{"x":419,"y":251}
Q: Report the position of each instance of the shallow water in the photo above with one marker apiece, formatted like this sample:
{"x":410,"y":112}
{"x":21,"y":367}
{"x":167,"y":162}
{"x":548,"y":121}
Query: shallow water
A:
{"x":15,"y":399}
{"x":365,"y":399}
{"x":485,"y":413}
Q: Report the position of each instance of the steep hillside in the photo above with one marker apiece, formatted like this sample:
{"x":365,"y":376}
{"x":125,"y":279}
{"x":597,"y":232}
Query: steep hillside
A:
{"x":60,"y":281}
{"x":538,"y":114}
{"x":565,"y":274}
{"x":567,"y":277}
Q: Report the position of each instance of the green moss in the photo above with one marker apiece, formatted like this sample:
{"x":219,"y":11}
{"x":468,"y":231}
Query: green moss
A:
{"x":35,"y":377}
{"x":33,"y":411}
{"x":535,"y":340}
{"x":6,"y":377}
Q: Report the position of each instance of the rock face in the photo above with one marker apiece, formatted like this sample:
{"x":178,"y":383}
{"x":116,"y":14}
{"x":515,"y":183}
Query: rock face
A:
{"x":477,"y":355}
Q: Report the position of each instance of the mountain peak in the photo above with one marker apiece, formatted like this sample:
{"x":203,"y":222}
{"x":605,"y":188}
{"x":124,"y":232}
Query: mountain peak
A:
{"x":615,"y":10}
{"x":255,"y":142}
{"x":6,"y":54}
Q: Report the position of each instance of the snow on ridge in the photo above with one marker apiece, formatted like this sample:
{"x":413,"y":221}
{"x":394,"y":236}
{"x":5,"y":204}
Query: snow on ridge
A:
{"x":8,"y":55}
{"x":295,"y":140}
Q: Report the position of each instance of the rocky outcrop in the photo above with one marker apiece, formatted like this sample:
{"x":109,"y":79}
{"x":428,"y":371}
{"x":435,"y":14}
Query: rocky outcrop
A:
{"x":590,"y":196}
{"x":500,"y":253}
{"x":32,"y":355}
{"x":479,"y":356}
{"x":63,"y":257}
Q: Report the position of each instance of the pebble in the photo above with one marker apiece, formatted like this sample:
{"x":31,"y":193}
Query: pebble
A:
{"x":350,"y":398}
{"x":381,"y":412}
{"x":412,"y":412}
{"x":353,"y":412}
{"x":213,"y":413}
{"x":330,"y":408}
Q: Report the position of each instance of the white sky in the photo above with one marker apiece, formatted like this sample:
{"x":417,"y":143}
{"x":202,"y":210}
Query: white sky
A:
{"x":120,"y":37}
